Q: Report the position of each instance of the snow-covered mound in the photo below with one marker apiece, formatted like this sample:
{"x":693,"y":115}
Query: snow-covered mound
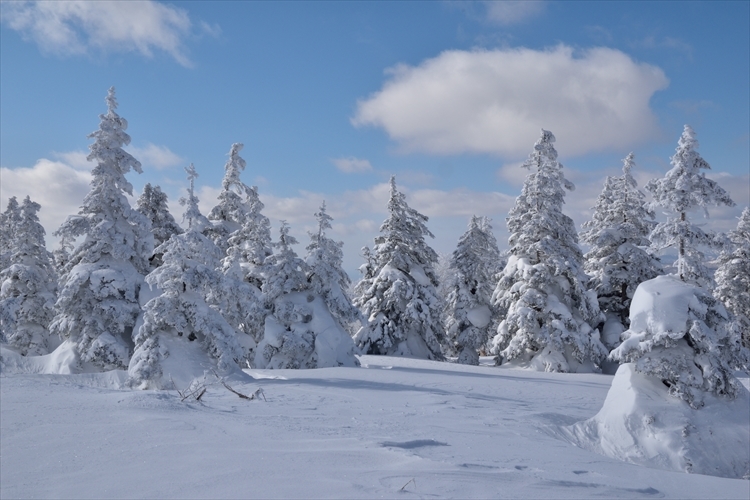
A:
{"x":642,"y":424}
{"x":302,"y":333}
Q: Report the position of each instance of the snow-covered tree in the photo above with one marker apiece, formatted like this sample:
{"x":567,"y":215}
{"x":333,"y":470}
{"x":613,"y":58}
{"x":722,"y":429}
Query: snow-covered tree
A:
{"x":683,"y":189}
{"x":326,"y":275}
{"x":181,"y":314}
{"x":28,"y":286}
{"x":237,"y":202}
{"x":8,"y":222}
{"x":618,"y":235}
{"x":468,"y":309}
{"x":61,"y":255}
{"x":299,"y":331}
{"x":98,"y":300}
{"x":550,"y":316}
{"x":153,"y":204}
{"x":682,"y":335}
{"x":733,"y":276}
{"x":400,"y":299}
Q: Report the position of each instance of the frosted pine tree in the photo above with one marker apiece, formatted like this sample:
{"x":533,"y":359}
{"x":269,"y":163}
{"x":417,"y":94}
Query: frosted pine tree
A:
{"x":8,"y":222}
{"x":300,"y":331}
{"x":28,"y":286}
{"x":618,"y":261}
{"x":237,"y":201}
{"x":400,"y":300}
{"x":468,"y":309}
{"x":326,"y":275}
{"x":61,"y":255}
{"x":550,"y":317}
{"x":153,"y":204}
{"x":98,"y":300}
{"x":733,"y":276}
{"x":683,"y":189}
{"x":181,"y":333}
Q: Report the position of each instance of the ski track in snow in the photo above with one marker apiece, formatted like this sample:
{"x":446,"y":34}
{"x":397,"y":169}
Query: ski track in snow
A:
{"x":421,"y":429}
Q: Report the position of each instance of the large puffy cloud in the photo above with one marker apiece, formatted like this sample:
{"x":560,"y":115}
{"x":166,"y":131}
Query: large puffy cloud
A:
{"x":496,"y":101}
{"x":77,"y":27}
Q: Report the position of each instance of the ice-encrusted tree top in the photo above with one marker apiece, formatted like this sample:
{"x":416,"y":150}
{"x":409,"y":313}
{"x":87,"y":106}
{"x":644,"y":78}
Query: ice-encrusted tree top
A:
{"x":325,"y":272}
{"x":237,"y":203}
{"x":400,"y":300}
{"x":111,"y":226}
{"x":286,"y":272}
{"x":28,"y":285}
{"x":683,"y":188}
{"x":733,"y":276}
{"x":550,"y":317}
{"x":195,"y":219}
{"x":153,"y":204}
{"x":618,"y":235}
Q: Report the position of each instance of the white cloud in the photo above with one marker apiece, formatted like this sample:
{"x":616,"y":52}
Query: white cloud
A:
{"x":158,"y":157}
{"x":352,"y":165}
{"x":513,"y":173}
{"x":55,"y":185}
{"x":76,"y":159}
{"x":496,"y":101}
{"x":512,"y":12}
{"x":80,"y":27}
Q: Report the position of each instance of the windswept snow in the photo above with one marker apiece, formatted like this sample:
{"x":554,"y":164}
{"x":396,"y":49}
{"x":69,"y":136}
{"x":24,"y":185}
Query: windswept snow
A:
{"x":394,"y":427}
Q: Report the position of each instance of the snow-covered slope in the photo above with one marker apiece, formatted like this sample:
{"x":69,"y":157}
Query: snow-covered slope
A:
{"x":396,"y":427}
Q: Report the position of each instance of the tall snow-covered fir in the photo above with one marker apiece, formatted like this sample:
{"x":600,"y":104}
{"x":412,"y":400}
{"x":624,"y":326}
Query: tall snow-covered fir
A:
{"x":326,"y":275}
{"x":98,"y":300}
{"x":400,"y":299}
{"x":28,"y":286}
{"x":179,"y":327}
{"x":8,"y":222}
{"x":468,"y":304}
{"x":550,"y":316}
{"x":683,"y":189}
{"x":733,"y":276}
{"x":618,"y":235}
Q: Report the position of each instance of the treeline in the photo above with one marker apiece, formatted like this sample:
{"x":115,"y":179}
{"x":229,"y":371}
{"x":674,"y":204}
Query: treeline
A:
{"x":140,"y":293}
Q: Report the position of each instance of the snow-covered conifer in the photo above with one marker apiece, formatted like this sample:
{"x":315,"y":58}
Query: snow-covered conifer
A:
{"x":618,"y":235}
{"x":28,"y":286}
{"x":682,"y":189}
{"x":682,"y":335}
{"x":468,"y":309}
{"x":181,"y":314}
{"x":8,"y":222}
{"x":326,"y":275}
{"x":237,"y":201}
{"x":550,"y":317}
{"x":400,"y":299}
{"x":98,"y":300}
{"x":153,"y":204}
{"x":61,"y":255}
{"x":733,"y":276}
{"x":299,"y":331}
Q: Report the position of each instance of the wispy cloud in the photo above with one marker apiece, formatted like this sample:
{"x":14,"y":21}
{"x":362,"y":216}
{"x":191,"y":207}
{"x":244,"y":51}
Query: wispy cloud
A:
{"x":666,"y":42}
{"x":507,"y":13}
{"x":81,"y":27}
{"x":496,"y":101}
{"x":158,"y":157}
{"x":352,"y":165}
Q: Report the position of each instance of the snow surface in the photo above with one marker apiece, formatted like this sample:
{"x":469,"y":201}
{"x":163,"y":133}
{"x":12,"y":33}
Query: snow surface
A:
{"x":395,"y":427}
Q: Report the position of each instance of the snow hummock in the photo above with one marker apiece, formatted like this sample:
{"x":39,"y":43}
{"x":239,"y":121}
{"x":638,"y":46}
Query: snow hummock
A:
{"x":642,"y":424}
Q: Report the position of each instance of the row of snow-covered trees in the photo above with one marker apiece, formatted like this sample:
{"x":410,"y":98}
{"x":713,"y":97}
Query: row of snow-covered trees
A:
{"x":140,"y":293}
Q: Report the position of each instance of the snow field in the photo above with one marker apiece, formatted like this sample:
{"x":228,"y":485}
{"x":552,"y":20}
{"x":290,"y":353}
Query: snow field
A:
{"x":458,"y":431}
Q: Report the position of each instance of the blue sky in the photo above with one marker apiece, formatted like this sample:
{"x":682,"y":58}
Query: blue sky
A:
{"x":331,"y":98}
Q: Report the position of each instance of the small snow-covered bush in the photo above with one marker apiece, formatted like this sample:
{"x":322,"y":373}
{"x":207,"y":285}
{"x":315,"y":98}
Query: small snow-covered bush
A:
{"x":680,"y":335}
